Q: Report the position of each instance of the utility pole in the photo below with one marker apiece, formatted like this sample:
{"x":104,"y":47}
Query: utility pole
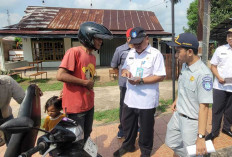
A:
{"x":173,"y":55}
{"x":206,"y":31}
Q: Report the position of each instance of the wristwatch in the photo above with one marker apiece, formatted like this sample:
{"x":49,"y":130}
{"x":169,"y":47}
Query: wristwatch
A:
{"x":141,"y":81}
{"x":201,"y":136}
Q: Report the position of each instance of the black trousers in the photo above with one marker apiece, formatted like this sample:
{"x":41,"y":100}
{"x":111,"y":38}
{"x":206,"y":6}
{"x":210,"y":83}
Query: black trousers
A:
{"x":222,"y":105}
{"x":85,"y":119}
{"x":122,"y":96}
{"x":130,"y":119}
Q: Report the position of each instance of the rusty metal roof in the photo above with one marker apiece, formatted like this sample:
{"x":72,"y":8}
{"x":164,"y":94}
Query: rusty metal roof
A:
{"x":67,"y":20}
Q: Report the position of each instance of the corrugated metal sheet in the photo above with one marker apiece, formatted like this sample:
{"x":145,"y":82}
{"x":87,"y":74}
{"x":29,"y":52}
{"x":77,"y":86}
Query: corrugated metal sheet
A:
{"x":53,"y":18}
{"x":107,"y":50}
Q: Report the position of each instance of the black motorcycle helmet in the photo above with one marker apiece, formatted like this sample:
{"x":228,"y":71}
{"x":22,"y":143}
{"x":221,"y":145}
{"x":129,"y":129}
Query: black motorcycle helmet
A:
{"x":89,"y":30}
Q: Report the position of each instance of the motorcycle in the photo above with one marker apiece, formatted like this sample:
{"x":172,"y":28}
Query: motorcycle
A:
{"x":66,"y":139}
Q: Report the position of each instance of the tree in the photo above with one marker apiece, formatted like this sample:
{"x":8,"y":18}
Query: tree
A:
{"x":18,"y":42}
{"x":220,"y":10}
{"x":192,"y":16}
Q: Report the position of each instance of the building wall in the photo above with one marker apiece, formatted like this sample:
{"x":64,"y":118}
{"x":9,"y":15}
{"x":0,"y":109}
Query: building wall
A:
{"x":27,"y":50}
{"x":102,"y":59}
{"x":108,"y":49}
{"x":67,"y":44}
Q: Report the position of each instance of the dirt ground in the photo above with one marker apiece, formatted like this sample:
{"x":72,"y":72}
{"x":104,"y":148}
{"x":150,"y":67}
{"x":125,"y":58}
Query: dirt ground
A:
{"x":105,"y":97}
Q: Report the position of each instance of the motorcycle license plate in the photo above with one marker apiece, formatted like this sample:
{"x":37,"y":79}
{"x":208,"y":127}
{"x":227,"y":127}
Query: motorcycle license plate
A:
{"x":90,"y":147}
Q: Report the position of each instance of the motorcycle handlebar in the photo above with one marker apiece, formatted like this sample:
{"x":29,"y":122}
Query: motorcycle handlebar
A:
{"x":40,"y":146}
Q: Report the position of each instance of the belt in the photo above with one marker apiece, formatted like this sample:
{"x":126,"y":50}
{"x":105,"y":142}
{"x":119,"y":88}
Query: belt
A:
{"x":186,"y":116}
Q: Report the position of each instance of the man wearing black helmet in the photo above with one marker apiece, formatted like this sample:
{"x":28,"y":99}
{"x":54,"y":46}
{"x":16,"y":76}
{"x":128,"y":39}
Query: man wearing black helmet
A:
{"x":77,"y":71}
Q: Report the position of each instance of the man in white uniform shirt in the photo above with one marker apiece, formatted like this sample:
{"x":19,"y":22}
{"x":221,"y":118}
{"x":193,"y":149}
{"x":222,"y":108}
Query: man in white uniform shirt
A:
{"x":144,"y":67}
{"x":221,"y":65}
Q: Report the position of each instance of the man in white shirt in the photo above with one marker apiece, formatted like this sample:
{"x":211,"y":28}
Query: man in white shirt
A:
{"x":144,"y":68}
{"x":221,"y":65}
{"x":9,"y":88}
{"x":187,"y":125}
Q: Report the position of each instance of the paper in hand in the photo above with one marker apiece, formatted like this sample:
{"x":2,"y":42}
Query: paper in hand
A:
{"x":209,"y":147}
{"x":134,"y":78}
{"x":228,"y":81}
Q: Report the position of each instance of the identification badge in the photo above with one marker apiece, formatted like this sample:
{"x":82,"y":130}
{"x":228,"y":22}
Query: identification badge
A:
{"x":90,"y":147}
{"x":207,"y":83}
{"x":139,"y":72}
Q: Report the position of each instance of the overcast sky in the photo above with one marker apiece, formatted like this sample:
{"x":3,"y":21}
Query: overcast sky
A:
{"x":161,"y":9}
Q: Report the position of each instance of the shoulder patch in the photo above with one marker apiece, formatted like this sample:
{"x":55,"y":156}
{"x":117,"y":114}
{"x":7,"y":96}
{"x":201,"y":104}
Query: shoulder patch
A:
{"x":207,"y":83}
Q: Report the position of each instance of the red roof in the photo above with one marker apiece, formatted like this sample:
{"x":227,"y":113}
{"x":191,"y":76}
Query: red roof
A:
{"x":54,"y":20}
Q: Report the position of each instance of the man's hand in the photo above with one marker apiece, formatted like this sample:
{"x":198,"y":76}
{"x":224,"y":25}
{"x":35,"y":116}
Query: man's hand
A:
{"x":221,"y":80}
{"x":135,"y":80}
{"x":173,"y":107}
{"x":89,"y":84}
{"x":126,"y":73}
{"x":61,"y":94}
{"x":2,"y":138}
{"x":200,"y":147}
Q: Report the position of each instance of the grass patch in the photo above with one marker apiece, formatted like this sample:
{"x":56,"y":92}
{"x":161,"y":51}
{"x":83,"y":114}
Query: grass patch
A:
{"x":104,"y":84}
{"x":53,"y":84}
{"x":44,"y":84}
{"x":107,"y":115}
{"x":42,"y":122}
{"x":164,"y":104}
{"x":113,"y":114}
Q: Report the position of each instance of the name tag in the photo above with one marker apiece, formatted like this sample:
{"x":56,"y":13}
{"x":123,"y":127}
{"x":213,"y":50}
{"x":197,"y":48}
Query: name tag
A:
{"x":139,"y":72}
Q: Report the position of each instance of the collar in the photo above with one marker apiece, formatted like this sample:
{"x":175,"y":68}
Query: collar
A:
{"x":147,"y":49}
{"x":195,"y":66}
{"x":228,"y":46}
{"x":125,"y":47}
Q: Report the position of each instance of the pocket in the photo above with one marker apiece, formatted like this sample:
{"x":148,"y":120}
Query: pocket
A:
{"x":148,"y":64}
{"x":130,"y":61}
{"x":190,"y":85}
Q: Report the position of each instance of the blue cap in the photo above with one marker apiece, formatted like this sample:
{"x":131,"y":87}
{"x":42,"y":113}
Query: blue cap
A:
{"x":187,"y":40}
{"x":137,"y":35}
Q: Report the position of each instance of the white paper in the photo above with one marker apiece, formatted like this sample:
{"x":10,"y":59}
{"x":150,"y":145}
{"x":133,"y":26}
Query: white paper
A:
{"x":90,"y":147}
{"x":134,"y":78}
{"x":209,"y":147}
{"x":228,"y":81}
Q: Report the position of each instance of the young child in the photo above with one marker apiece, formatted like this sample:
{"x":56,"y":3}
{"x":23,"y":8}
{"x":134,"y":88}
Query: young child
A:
{"x":53,"y":107}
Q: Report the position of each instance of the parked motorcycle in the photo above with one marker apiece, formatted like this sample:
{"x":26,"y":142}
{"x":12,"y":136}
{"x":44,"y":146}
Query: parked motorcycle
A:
{"x":65,"y":140}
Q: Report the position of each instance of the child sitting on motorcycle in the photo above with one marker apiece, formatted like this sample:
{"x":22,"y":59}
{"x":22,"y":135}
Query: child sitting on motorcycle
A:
{"x":53,"y":107}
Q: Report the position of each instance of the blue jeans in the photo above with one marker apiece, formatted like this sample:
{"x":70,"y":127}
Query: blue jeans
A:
{"x":85,"y":120}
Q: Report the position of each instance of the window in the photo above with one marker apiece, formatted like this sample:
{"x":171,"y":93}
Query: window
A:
{"x":48,"y":49}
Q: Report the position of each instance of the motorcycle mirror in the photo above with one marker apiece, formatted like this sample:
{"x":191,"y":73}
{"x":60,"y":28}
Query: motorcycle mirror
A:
{"x":17,"y":125}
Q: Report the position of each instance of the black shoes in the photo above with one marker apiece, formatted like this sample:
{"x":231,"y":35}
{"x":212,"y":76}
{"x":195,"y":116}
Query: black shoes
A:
{"x":121,"y":151}
{"x":210,"y":137}
{"x":229,"y":133}
{"x":120,"y":134}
